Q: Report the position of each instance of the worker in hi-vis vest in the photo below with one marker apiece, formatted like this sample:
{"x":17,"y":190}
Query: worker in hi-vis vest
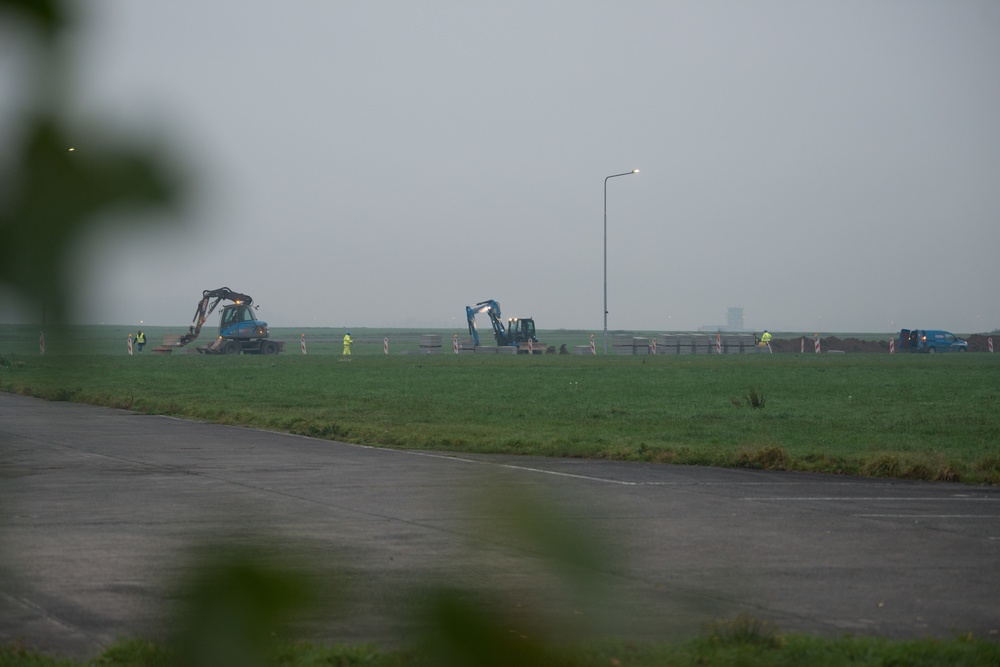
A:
{"x":140,"y":340}
{"x":765,"y":340}
{"x":347,"y":344}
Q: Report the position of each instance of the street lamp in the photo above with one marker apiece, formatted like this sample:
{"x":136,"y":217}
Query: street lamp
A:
{"x":627,"y":173}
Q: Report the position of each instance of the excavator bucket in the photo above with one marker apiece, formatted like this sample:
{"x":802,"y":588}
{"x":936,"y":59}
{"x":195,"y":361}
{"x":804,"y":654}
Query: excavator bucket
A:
{"x":170,"y":343}
{"x":215,"y":347}
{"x":185,"y":339}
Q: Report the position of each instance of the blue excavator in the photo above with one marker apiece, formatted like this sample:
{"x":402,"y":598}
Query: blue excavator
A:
{"x":239,"y":329}
{"x":518,"y":332}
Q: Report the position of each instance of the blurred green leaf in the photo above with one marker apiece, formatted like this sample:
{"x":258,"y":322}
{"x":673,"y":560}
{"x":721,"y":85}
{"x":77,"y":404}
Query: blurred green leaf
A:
{"x":235,"y":607}
{"x":48,"y":15}
{"x":462,"y":633}
{"x":55,"y":194}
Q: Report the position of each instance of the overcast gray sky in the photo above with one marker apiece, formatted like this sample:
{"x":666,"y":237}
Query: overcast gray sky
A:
{"x":828,"y":166}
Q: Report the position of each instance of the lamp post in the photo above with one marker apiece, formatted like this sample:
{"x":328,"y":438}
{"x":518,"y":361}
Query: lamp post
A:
{"x":627,"y":173}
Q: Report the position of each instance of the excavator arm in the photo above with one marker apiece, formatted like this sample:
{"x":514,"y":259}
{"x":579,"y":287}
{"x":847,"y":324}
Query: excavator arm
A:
{"x":519,"y":332}
{"x":491,"y":308}
{"x":209,"y":300}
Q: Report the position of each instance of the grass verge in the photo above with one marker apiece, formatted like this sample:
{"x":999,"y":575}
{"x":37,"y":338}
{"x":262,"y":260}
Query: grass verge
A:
{"x":901,"y":416}
{"x":741,"y":642}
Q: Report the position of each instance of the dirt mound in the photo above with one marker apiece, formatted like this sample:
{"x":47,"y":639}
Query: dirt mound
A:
{"x":981,"y":343}
{"x":830,"y":343}
{"x":977,"y":343}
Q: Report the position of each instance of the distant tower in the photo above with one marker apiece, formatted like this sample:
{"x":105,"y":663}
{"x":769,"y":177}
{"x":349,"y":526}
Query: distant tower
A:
{"x":734,"y":318}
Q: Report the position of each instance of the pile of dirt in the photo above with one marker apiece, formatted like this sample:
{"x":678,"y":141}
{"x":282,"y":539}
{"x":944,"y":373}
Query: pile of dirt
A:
{"x":830,"y":343}
{"x":981,"y":342}
{"x":977,"y":343}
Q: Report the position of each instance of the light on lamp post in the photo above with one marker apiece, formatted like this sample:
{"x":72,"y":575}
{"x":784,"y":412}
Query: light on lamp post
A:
{"x":627,"y":173}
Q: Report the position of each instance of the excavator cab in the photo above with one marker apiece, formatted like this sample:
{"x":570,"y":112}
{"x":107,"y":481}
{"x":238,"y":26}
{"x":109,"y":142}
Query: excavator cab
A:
{"x":238,"y":321}
{"x":521,"y":330}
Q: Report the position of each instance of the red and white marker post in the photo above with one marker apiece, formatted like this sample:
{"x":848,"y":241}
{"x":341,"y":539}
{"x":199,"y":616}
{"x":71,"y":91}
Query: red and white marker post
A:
{"x":385,"y":345}
{"x":803,"y":349}
{"x":654,"y":347}
{"x":989,"y":341}
{"x":817,"y":343}
{"x":718,"y":342}
{"x":130,"y":345}
{"x":593,"y":350}
{"x":892,"y":346}
{"x":531,"y":346}
{"x":302,"y":344}
{"x":41,"y":343}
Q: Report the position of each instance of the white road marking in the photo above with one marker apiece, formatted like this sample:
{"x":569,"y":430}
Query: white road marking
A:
{"x":525,"y":468}
{"x":876,"y":498}
{"x":930,"y":516}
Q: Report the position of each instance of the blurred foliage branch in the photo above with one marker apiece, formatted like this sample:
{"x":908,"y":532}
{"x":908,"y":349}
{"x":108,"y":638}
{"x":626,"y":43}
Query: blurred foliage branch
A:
{"x":233,"y":603}
{"x":47,"y":17}
{"x":52,"y":194}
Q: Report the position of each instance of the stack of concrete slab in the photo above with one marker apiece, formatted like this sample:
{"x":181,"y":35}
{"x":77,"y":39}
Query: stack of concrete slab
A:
{"x":696,"y":343}
{"x":667,"y":344}
{"x":628,"y":345}
{"x":640,"y":345}
{"x":684,"y":344}
{"x":621,"y":345}
{"x":739,"y":344}
{"x":430,"y":344}
{"x":496,"y":349}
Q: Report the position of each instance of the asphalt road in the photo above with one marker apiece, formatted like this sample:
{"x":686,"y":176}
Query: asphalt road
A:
{"x":100,"y":509}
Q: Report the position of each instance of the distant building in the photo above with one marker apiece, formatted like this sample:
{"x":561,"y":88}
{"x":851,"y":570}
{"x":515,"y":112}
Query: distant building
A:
{"x":734,"y":321}
{"x":734,"y":318}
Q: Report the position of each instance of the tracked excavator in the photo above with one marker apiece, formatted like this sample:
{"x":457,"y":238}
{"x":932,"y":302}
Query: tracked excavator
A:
{"x":518,"y":332}
{"x":239,"y":330}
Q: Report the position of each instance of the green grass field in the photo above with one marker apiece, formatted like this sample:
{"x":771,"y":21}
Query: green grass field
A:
{"x":911,"y":416}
